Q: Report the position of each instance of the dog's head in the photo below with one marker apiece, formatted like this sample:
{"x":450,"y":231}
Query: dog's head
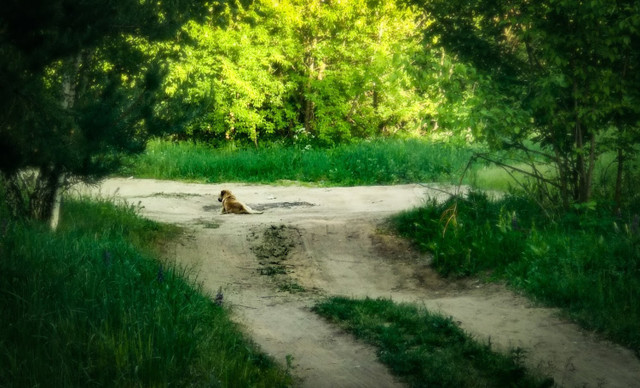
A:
{"x":223,"y":194}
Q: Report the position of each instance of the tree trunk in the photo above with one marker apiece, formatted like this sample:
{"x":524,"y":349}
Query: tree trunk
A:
{"x":308,"y":103}
{"x":617,"y":197}
{"x":563,"y":174}
{"x":583,"y":169}
{"x":308,"y":118}
{"x":309,"y":42}
{"x":45,"y":195}
{"x":376,"y":99}
{"x":590,"y":168}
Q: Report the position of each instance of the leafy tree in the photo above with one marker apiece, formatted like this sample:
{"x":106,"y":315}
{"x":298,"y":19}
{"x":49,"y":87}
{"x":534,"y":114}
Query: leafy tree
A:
{"x":241,"y":71}
{"x":561,"y":73}
{"x":77,"y":88}
{"x":357,"y":68}
{"x":324,"y":70}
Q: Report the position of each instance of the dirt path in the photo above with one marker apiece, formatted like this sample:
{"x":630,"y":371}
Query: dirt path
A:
{"x":314,"y":242}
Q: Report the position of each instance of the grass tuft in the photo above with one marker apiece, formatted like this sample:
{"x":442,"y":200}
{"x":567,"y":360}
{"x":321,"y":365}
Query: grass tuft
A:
{"x":425,"y":349}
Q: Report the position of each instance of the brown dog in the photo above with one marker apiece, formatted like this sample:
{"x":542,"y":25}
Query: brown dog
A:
{"x":231,"y":205}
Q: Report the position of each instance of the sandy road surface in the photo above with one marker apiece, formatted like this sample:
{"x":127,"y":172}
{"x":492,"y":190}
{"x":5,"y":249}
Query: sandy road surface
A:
{"x":325,"y":241}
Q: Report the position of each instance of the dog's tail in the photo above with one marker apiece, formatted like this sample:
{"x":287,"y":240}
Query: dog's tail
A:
{"x":251,"y":211}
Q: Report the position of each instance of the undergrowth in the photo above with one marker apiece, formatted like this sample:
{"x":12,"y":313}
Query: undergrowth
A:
{"x":425,"y":349}
{"x":586,"y":261}
{"x":87,"y":307}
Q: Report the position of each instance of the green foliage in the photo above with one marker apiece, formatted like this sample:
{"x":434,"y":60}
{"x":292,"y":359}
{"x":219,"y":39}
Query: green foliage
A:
{"x":591,"y":269}
{"x":470,"y":235}
{"x":84,"y":307}
{"x":331,"y":70}
{"x":80,"y":89}
{"x":425,"y":349}
{"x":365,"y":162}
{"x":240,"y":72}
{"x":560,"y":73}
{"x":77,"y":87}
{"x":586,"y":261}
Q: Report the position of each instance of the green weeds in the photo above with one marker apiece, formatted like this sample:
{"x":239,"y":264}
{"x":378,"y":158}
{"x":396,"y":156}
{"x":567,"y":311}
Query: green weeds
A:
{"x":425,"y":349}
{"x":86,"y":307}
{"x":585,"y":261}
{"x":100,"y":218}
{"x":363,"y":163}
{"x":467,"y":236}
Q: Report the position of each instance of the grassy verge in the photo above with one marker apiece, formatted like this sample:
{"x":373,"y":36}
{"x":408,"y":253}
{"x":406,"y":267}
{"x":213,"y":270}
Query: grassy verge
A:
{"x":87,"y":307}
{"x":585,"y":261}
{"x":364,"y":163}
{"x":424,"y":349}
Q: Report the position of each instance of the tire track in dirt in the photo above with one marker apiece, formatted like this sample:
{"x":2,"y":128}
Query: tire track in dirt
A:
{"x":333,"y":247}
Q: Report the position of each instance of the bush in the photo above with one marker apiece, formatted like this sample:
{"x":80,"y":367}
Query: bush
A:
{"x":467,"y":236}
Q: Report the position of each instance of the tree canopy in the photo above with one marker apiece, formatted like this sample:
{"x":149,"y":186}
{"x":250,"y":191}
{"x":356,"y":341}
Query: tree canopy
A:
{"x":563,"y":74}
{"x":77,"y":88}
{"x":289,"y":69}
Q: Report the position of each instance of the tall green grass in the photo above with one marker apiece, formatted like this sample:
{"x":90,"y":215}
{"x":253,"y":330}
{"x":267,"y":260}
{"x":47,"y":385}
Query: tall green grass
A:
{"x":87,"y":307}
{"x":367,"y":162}
{"x":491,"y":177}
{"x":586,"y":261}
{"x":425,"y":349}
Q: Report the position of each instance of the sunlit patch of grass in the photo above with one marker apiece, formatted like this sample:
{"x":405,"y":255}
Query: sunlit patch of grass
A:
{"x":493,"y":177}
{"x":385,"y":161}
{"x":87,"y":307}
{"x":425,"y":349}
{"x":104,"y":220}
{"x":496,"y":178}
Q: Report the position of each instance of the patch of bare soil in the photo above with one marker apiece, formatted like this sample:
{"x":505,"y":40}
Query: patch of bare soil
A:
{"x":315,"y":242}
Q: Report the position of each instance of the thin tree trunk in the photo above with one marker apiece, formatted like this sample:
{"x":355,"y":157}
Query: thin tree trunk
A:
{"x":308,"y":115}
{"x":563,"y":174}
{"x":376,"y":99}
{"x":590,"y":168}
{"x":582,"y":179}
{"x":57,"y":203}
{"x":43,"y":197}
{"x":50,"y":180}
{"x":309,"y":42}
{"x":308,"y":103}
{"x":617,"y":197}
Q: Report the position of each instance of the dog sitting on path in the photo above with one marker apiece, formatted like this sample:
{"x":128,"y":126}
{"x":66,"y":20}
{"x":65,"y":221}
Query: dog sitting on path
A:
{"x":231,"y":205}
